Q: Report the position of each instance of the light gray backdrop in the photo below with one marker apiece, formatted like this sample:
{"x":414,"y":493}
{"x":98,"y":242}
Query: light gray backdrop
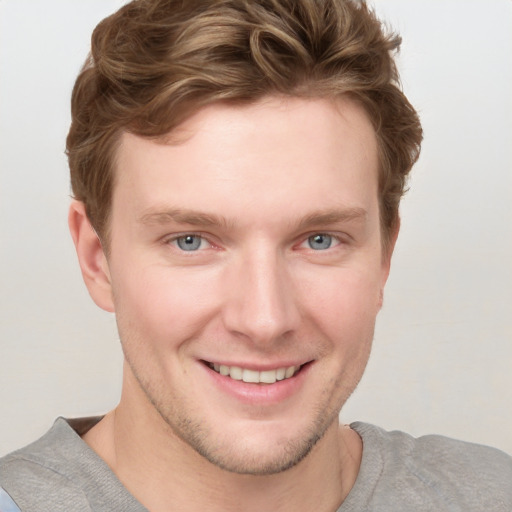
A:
{"x":442,"y":358}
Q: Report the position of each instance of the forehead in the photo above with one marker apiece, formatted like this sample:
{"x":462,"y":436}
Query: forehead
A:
{"x":277,"y":152}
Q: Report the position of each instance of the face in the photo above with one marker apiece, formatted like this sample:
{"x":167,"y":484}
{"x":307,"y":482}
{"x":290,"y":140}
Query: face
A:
{"x":246,"y":271}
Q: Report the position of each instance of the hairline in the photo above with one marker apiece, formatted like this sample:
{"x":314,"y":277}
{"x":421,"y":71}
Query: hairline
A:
{"x":104,"y":232}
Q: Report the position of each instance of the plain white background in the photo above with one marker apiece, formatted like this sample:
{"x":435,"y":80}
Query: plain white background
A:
{"x":442,"y":359}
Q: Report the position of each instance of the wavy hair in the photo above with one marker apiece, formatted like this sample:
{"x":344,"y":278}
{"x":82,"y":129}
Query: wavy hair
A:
{"x":154,"y":63}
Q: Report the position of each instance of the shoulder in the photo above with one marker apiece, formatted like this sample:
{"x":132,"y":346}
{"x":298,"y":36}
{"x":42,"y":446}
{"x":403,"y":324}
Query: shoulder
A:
{"x":440,"y":469}
{"x":61,"y":473}
{"x":42,"y":470}
{"x":438,"y":452}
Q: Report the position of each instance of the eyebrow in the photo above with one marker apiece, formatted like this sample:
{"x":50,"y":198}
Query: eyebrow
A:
{"x":197,"y":218}
{"x":183,"y":216}
{"x":332,"y":216}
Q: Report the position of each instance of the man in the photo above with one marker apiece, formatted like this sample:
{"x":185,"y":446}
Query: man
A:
{"x":237,"y":169}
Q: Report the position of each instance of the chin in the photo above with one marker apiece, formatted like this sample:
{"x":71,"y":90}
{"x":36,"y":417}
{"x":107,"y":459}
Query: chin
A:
{"x":244,"y":451}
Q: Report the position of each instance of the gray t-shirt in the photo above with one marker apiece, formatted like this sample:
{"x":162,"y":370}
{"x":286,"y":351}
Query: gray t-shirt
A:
{"x":60,"y":473}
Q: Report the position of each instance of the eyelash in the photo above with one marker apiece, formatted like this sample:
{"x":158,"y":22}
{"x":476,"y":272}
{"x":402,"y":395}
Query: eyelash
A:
{"x":173,"y":240}
{"x":337,"y":240}
{"x":334,"y":239}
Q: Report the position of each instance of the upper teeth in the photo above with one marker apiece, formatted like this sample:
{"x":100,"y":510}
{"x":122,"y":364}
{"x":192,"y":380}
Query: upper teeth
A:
{"x":266,"y":377}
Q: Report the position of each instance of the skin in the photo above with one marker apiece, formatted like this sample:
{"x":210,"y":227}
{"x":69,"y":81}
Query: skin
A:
{"x":253,"y":186}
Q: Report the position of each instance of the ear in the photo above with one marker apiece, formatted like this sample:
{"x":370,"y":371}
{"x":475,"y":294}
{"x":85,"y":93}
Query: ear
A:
{"x":91,"y":257}
{"x":387,"y":253}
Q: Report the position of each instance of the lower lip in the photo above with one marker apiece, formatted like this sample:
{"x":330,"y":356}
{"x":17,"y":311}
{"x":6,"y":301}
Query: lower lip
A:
{"x":259,"y":394}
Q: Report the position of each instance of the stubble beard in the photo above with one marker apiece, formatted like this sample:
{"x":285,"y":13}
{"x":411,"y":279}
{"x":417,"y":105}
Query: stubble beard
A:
{"x":238,"y":457}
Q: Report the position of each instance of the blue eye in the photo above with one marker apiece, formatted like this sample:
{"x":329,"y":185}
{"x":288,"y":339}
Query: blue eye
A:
{"x":320,"y":242}
{"x":189,"y":242}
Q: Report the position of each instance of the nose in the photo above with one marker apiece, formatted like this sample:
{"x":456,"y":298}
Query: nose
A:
{"x":260,"y":305}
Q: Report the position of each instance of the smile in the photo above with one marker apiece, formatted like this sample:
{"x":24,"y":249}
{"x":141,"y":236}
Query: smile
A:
{"x":254,"y":376}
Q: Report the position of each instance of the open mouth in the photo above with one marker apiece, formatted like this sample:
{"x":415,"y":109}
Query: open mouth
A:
{"x":254,"y":376}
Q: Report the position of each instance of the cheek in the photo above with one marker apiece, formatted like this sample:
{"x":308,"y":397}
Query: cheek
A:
{"x":343,"y":300}
{"x":162,"y":305}
{"x":346,"y":317}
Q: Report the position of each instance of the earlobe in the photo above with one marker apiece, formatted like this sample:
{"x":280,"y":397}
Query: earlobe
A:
{"x":91,"y":257}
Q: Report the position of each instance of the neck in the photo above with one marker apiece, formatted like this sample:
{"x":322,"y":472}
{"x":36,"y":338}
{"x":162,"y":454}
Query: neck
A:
{"x":163,"y":473}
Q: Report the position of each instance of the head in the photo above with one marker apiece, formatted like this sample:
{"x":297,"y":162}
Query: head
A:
{"x":242,"y":164}
{"x":153,"y":64}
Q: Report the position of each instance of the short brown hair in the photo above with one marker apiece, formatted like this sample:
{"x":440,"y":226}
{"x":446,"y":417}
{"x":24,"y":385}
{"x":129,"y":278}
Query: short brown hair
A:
{"x":155,"y":62}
